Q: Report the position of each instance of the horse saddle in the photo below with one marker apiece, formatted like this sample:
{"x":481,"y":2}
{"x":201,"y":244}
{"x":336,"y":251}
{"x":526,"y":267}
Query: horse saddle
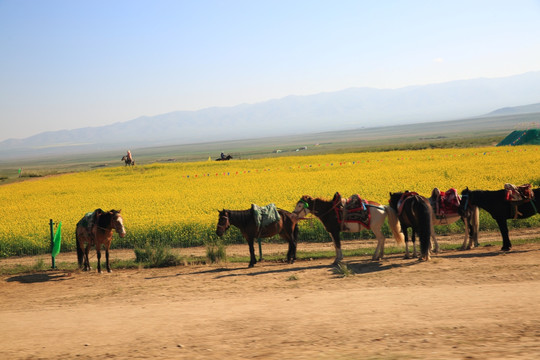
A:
{"x":522,"y":193}
{"x":518,"y":195}
{"x":266,"y":215}
{"x":407,"y":194}
{"x":445,"y":202}
{"x":353,"y":209}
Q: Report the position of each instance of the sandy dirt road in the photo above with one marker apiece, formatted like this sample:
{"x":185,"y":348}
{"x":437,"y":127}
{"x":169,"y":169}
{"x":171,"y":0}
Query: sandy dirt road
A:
{"x":477,"y":304}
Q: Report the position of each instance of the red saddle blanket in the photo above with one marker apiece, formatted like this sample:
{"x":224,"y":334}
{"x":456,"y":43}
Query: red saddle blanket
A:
{"x":445,"y":202}
{"x":353,"y":209}
{"x":518,"y":193}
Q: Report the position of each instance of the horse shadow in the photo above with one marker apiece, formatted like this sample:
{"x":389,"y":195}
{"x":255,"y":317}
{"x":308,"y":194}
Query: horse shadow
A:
{"x":40,"y":278}
{"x":361,"y":267}
{"x":273,"y":271}
{"x":211,"y":271}
{"x":468,"y":254}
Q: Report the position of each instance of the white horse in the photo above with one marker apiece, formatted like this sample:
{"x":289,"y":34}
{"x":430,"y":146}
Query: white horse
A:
{"x":325,"y":210}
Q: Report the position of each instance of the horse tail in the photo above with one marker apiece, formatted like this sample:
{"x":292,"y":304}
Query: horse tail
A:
{"x":80,"y":253}
{"x":395,"y":226}
{"x":424,"y":227}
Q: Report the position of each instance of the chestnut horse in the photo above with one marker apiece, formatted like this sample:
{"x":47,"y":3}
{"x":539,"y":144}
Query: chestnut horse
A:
{"x":245,"y":222}
{"x":96,"y":228}
{"x":495,"y":203}
{"x":325,"y":210}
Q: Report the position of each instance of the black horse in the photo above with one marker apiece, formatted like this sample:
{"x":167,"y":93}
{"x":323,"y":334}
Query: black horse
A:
{"x":244,"y":220}
{"x":495,"y":203}
{"x":228,"y":157}
{"x":414,"y":211}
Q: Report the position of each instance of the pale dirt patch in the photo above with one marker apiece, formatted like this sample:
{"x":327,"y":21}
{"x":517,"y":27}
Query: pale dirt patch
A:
{"x":477,"y":304}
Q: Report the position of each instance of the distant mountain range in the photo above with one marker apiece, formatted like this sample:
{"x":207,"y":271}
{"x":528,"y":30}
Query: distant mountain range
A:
{"x":347,"y":109}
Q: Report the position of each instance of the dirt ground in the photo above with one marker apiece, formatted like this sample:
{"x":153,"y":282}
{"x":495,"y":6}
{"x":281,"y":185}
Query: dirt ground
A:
{"x":476,"y":304}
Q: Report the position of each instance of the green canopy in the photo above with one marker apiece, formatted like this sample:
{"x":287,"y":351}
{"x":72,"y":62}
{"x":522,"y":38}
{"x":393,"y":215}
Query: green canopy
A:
{"x":522,"y":137}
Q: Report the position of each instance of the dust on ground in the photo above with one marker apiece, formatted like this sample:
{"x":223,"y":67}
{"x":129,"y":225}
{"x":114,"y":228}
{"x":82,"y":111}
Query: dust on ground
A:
{"x":475,"y":304}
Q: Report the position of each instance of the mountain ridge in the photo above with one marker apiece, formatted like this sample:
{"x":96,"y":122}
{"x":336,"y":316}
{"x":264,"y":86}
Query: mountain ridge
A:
{"x":350,"y":108}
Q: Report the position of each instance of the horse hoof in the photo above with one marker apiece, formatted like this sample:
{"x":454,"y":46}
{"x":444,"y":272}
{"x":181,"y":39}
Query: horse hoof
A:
{"x":506,"y":248}
{"x":109,"y":270}
{"x":251,"y":265}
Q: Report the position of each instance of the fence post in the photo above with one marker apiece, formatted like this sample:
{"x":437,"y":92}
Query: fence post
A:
{"x":51,"y":223}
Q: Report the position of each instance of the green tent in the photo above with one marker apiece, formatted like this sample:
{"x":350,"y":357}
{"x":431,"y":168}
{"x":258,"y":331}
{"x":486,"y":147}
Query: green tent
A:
{"x":522,"y":137}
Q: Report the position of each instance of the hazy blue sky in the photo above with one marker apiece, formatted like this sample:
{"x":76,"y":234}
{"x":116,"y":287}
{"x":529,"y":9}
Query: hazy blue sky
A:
{"x":66,"y":64}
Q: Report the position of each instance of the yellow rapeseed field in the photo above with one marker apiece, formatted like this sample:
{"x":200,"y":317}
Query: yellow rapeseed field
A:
{"x":177,"y":202}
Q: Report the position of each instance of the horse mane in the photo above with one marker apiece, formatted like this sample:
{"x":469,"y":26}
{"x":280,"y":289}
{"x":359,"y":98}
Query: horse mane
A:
{"x":240,"y":217}
{"x":104,"y":220}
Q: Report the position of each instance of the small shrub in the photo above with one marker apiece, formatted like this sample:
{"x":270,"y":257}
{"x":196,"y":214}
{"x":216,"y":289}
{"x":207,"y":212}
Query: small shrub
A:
{"x":215,"y":250}
{"x":343,"y":270}
{"x":156,"y":256}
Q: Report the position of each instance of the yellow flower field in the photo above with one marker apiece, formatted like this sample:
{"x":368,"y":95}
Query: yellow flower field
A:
{"x":177,"y":203}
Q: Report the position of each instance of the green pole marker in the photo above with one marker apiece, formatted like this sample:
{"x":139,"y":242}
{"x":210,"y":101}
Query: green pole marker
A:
{"x":20,"y":170}
{"x":57,"y":240}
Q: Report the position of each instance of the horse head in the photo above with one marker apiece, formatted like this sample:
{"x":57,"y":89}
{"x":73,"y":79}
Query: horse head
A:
{"x":304,"y":206}
{"x":465,"y":201}
{"x":118,"y":222}
{"x":394,"y":199}
{"x":223,"y":222}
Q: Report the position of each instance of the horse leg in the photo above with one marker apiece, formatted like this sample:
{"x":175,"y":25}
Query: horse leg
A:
{"x":337,"y":245}
{"x":87,"y":266}
{"x":406,"y":236}
{"x":466,"y":240}
{"x":253,"y":260}
{"x":294,"y":242}
{"x":434,"y":244}
{"x":503,"y":227}
{"x":475,"y":226}
{"x":98,"y":251}
{"x":107,"y":259}
{"x":379,"y":251}
{"x":291,"y":254}
{"x":413,"y":237}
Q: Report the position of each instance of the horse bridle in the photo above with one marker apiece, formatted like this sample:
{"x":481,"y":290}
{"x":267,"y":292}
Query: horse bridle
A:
{"x":111,"y":223}
{"x":304,"y":209}
{"x":224,"y":228}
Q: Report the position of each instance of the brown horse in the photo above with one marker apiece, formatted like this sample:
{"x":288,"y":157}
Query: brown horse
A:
{"x":245,"y":222}
{"x":96,"y":228}
{"x":325,"y":210}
